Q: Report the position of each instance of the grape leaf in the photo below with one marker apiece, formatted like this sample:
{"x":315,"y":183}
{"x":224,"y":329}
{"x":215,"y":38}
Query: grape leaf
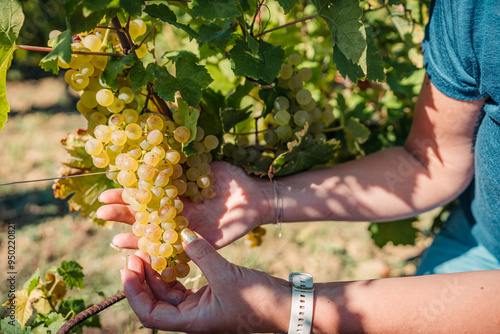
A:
{"x":54,"y":322}
{"x":24,"y":302}
{"x":85,"y":189}
{"x":400,"y":232}
{"x":346,"y":29}
{"x":115,"y":67}
{"x":213,"y":34}
{"x":62,"y":49}
{"x":72,"y":274}
{"x":253,"y":45}
{"x":360,"y":132}
{"x":162,"y":12}
{"x":288,"y":4}
{"x":33,"y":281}
{"x":190,"y":81}
{"x":9,"y":326}
{"x":234,"y":100}
{"x":95,"y":5}
{"x":231,"y":117}
{"x":264,"y":65}
{"x":221,"y":9}
{"x":303,"y":154}
{"x":79,"y":20}
{"x":175,"y":55}
{"x":139,"y":76}
{"x":11,"y":21}
{"x":210,"y":120}
{"x":133,"y":7}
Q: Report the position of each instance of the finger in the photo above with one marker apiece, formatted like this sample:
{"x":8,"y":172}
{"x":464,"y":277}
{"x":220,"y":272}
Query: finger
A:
{"x":125,"y":240}
{"x":112,"y":196}
{"x":160,"y":288}
{"x":150,"y":312}
{"x":116,"y":212}
{"x":204,"y":255}
{"x":135,"y":264}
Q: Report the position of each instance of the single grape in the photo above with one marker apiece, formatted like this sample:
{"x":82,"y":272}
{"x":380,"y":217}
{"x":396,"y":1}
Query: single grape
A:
{"x":303,"y":97}
{"x":143,"y":196}
{"x":157,"y":192}
{"x":281,"y":103}
{"x":151,"y":159}
{"x":182,"y":134}
{"x":105,"y":97}
{"x":152,"y":232}
{"x":154,"y":219}
{"x":200,"y":134}
{"x":162,"y":179}
{"x":181,"y":222}
{"x":99,"y":62}
{"x":116,"y":106}
{"x":166,"y":250}
{"x":155,"y":137}
{"x":192,"y":174}
{"x":138,"y":229}
{"x":101,"y":160}
{"x":126,"y":179}
{"x":295,"y":83}
{"x":134,"y":29}
{"x":119,"y":137}
{"x":270,"y":137}
{"x":172,"y":156}
{"x":130,"y":115}
{"x":286,"y":71}
{"x":170,"y":236}
{"x":142,"y":217}
{"x":93,"y":146}
{"x":177,"y":173}
{"x":158,"y":263}
{"x":327,"y":117}
{"x":168,"y":274}
{"x":282,"y":117}
{"x":301,"y":117}
{"x":203,"y":182}
{"x":142,"y":26}
{"x":143,"y":244}
{"x":166,"y":212}
{"x":86,"y":69}
{"x":305,"y":74}
{"x":294,"y":59}
{"x":284,"y":132}
{"x":92,"y":42}
{"x":208,"y":192}
{"x":153,"y":247}
{"x":180,"y":185}
{"x":182,"y":269}
{"x":155,"y":122}
{"x":133,"y":131}
{"x":211,"y":142}
{"x":141,"y":51}
{"x":115,"y":122}
{"x":79,"y":81}
{"x":88,"y":99}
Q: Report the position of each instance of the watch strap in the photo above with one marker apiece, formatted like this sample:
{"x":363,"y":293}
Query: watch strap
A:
{"x":301,"y":314}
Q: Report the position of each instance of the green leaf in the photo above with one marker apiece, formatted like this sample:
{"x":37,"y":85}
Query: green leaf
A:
{"x":79,"y":20}
{"x":234,"y":100}
{"x":10,"y":326}
{"x":265,"y":65}
{"x":33,"y":281}
{"x":253,"y":45}
{"x":139,"y":76}
{"x":303,"y":154}
{"x":346,"y":29}
{"x":175,"y":55}
{"x":62,"y":49}
{"x":73,"y":304}
{"x":72,"y":274}
{"x":133,"y":7}
{"x":213,"y":34}
{"x":288,"y":4}
{"x":210,"y":120}
{"x":190,"y":81}
{"x":95,"y":5}
{"x":54,"y":322}
{"x":400,"y":232}
{"x":231,"y":117}
{"x":211,"y":10}
{"x":115,"y":67}
{"x":162,"y":12}
{"x":360,"y":132}
{"x":11,"y":21}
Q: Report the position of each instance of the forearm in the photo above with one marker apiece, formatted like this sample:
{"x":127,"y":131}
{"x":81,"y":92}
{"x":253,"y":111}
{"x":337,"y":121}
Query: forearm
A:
{"x":387,"y":185}
{"x":450,"y":303}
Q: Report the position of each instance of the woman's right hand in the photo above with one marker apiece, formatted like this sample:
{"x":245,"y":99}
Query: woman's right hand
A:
{"x":240,"y":204}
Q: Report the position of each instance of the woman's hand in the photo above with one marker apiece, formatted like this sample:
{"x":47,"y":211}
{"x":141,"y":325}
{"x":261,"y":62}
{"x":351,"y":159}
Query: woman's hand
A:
{"x":236,"y":299}
{"x":240,"y":204}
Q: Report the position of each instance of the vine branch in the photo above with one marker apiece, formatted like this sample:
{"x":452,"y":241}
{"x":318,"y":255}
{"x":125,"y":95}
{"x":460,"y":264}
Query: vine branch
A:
{"x":93,"y":310}
{"x":46,"y":49}
{"x":287,"y":24}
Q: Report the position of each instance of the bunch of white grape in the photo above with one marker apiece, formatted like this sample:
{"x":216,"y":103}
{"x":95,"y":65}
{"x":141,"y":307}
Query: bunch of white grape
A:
{"x":290,"y":114}
{"x":143,"y":153}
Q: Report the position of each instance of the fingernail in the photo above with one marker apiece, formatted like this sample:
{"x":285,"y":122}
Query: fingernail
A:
{"x":188,"y":236}
{"x":98,"y":214}
{"x":121,"y":273}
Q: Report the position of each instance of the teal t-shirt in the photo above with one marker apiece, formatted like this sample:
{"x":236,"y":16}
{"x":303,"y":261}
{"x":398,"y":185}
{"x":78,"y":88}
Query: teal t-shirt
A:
{"x":462,"y":59}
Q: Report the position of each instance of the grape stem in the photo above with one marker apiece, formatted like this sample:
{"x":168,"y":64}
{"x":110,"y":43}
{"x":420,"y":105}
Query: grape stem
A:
{"x":147,"y":35}
{"x":247,"y":133}
{"x":257,"y":12}
{"x":124,"y":41}
{"x":337,"y":128}
{"x":287,"y":24}
{"x":46,"y":49}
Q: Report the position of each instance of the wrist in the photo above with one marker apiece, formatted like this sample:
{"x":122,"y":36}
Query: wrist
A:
{"x":268,"y":204}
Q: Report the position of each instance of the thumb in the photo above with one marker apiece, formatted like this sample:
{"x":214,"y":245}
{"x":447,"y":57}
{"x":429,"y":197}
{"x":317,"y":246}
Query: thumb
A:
{"x":203,"y":255}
